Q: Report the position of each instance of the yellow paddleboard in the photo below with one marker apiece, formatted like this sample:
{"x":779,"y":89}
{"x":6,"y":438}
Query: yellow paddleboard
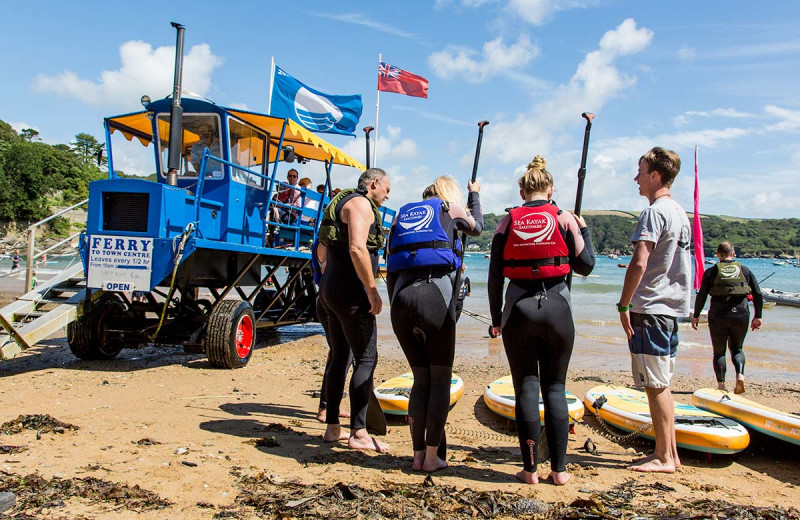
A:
{"x":500,"y":398}
{"x":784,"y":426}
{"x":393,"y":393}
{"x":695,"y":429}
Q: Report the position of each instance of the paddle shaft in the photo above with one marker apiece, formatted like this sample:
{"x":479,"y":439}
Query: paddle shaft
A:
{"x":588,"y":116}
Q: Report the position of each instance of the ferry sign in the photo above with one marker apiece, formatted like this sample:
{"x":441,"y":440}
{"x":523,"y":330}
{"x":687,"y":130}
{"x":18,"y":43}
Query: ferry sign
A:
{"x":120,"y":263}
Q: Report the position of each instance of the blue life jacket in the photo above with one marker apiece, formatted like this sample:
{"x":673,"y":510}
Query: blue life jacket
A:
{"x":420,"y":239}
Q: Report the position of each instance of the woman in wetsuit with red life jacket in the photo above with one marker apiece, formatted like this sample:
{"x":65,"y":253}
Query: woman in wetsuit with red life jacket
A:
{"x":535,"y":247}
{"x":425,"y":255}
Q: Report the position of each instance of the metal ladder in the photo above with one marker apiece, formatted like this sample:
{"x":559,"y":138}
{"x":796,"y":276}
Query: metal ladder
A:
{"x":42,"y":311}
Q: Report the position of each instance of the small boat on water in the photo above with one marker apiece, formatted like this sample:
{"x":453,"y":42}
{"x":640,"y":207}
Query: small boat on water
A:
{"x":612,"y":256}
{"x":780,"y":262}
{"x":710,"y":262}
{"x":781,"y":297}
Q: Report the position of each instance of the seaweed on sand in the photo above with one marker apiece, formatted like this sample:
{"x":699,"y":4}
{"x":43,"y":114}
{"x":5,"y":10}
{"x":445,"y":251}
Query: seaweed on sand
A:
{"x":41,"y":423}
{"x":35,"y":493}
{"x":273,"y":497}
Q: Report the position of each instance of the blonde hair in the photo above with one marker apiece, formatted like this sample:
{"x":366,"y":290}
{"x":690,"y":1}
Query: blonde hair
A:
{"x":536,"y":179}
{"x":304,"y":182}
{"x":446,"y":188}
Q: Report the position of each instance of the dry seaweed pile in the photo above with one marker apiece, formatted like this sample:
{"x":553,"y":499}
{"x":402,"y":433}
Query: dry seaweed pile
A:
{"x":632,"y":501}
{"x":35,"y":493}
{"x":273,"y":497}
{"x":40,"y":423}
{"x":6,"y":449}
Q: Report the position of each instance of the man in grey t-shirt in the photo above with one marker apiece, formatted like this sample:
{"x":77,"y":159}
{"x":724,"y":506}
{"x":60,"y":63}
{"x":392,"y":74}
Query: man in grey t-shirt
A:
{"x":655,"y":293}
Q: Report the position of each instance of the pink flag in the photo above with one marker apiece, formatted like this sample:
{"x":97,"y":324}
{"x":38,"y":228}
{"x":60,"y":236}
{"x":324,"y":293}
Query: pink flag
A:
{"x":697,"y":230}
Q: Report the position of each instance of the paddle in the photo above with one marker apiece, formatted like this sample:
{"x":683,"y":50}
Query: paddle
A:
{"x":588,"y":116}
{"x":457,"y":280}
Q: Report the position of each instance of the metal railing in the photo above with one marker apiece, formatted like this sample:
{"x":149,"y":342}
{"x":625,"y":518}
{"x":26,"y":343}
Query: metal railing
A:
{"x":32,"y":254}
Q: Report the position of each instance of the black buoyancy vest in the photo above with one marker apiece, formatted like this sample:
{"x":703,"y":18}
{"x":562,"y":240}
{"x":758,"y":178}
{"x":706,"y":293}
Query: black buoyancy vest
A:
{"x":729,"y":281}
{"x":333,"y":232}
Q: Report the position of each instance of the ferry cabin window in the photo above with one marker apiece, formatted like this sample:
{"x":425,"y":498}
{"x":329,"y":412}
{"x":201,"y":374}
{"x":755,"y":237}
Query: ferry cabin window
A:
{"x":247,"y":150}
{"x":200,"y":131}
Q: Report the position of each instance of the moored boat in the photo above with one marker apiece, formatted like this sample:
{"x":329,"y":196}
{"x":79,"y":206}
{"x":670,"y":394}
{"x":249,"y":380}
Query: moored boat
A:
{"x":781,"y":297}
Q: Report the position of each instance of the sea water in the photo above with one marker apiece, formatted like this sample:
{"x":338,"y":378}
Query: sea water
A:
{"x":772,"y":352}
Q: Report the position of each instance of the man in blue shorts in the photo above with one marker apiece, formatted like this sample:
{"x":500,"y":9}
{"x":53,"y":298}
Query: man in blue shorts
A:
{"x":654,"y":295}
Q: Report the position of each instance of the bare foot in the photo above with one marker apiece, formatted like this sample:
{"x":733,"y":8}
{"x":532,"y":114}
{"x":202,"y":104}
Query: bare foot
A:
{"x":322,"y":414}
{"x":739,"y":387}
{"x":334,"y":433}
{"x":642,"y":460}
{"x":654,"y":466}
{"x":721,"y":386}
{"x":560,"y":477}
{"x":429,"y":466}
{"x":361,"y":440}
{"x":527,"y":477}
{"x":419,"y":458}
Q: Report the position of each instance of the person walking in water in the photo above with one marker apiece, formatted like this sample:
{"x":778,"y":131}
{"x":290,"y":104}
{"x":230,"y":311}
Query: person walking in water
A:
{"x":536,"y":246}
{"x":425,"y":256}
{"x":729,"y":283}
{"x":655,"y":294}
{"x":352,"y":233}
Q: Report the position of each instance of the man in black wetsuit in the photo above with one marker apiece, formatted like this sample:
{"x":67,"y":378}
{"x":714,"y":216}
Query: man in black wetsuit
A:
{"x":352,"y":234}
{"x":729,"y":284}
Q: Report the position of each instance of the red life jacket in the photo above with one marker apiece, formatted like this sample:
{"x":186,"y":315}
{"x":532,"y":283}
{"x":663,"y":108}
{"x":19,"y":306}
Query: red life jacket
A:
{"x":535,"y":248}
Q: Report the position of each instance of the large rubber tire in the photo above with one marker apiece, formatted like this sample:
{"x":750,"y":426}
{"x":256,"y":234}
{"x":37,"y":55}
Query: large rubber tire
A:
{"x":86,"y":336}
{"x":231,"y":335}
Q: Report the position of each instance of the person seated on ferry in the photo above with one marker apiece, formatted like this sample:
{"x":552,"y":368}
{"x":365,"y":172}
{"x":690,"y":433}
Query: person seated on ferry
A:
{"x":208,"y":140}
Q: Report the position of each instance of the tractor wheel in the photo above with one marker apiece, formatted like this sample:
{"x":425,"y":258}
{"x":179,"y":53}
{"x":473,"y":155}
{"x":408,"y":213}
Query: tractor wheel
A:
{"x":231,"y":335}
{"x":86,"y":335}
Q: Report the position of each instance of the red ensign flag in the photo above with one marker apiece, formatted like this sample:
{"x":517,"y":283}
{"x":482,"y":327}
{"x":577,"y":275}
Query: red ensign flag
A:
{"x":394,"y":79}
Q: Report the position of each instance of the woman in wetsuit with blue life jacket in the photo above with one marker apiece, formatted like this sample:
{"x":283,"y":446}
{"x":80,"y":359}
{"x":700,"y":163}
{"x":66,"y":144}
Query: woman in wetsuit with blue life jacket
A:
{"x":425,"y":259}
{"x":729,"y":283}
{"x":535,"y":247}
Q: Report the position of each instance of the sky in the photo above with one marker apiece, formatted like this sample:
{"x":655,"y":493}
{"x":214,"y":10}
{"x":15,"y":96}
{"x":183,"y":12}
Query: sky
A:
{"x":720,"y":75}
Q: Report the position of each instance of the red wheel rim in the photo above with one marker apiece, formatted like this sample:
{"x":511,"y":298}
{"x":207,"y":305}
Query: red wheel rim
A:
{"x":244,"y":336}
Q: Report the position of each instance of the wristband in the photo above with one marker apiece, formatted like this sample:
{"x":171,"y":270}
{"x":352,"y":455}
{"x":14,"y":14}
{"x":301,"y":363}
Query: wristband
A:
{"x":625,"y":308}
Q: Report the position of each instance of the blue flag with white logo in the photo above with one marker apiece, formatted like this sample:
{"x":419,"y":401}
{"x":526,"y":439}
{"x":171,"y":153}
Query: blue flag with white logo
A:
{"x":312,"y":109}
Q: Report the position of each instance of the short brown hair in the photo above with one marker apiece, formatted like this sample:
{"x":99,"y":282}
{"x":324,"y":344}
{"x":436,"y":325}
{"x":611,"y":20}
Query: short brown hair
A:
{"x":666,"y":162}
{"x":725,"y":249}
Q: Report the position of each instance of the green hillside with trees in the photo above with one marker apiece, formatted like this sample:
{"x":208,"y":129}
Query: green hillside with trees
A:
{"x":751,"y":237}
{"x":35,"y":177}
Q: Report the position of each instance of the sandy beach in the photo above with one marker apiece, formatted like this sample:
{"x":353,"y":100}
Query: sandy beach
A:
{"x":202,"y":440}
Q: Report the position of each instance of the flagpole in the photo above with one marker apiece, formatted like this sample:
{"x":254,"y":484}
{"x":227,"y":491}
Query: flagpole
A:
{"x":697,"y":228}
{"x":271,"y":84}
{"x":377,"y":110}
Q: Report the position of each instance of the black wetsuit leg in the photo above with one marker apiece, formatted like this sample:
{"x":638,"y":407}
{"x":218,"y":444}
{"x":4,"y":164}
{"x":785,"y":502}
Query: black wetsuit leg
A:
{"x":538,"y":338}
{"x":728,"y":333}
{"x":322,"y":317}
{"x":351,"y":328}
{"x":426,"y":333}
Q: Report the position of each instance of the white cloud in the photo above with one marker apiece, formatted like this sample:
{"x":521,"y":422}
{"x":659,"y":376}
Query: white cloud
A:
{"x":360,"y":19}
{"x":717,"y":112}
{"x":143,"y":70}
{"x":18,"y":126}
{"x":595,"y":81}
{"x":476,"y":67}
{"x":686,"y":52}
{"x":538,"y":12}
{"x":758,"y":50}
{"x":789,"y":119}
